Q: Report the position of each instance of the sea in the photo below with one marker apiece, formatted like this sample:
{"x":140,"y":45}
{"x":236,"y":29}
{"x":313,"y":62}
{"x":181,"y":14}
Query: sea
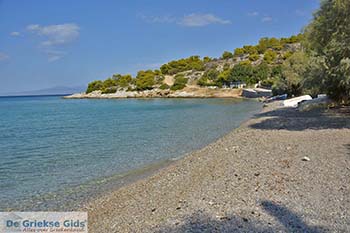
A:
{"x":56,"y":153}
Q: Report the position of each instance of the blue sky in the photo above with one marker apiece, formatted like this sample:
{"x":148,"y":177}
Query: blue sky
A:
{"x":70,"y":43}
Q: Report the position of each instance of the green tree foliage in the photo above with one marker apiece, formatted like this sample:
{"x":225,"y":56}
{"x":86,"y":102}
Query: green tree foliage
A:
{"x":249,"y":49}
{"x":145,"y":80}
{"x":209,"y":78}
{"x":246,"y":62}
{"x":191,"y":63}
{"x":269,"y":43}
{"x":179,"y":83}
{"x":293,"y":73}
{"x":227,"y":55}
{"x":122,"y":80}
{"x":270,"y":56}
{"x":263,"y":45}
{"x":223,"y":77}
{"x":164,"y":86}
{"x":241,"y":72}
{"x":254,"y":57}
{"x":293,"y":39}
{"x":238,"y":52}
{"x":328,"y":37}
{"x":262,"y":72}
{"x":207,"y":59}
{"x":94,"y":86}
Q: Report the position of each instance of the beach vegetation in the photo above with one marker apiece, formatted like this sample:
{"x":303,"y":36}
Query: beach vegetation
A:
{"x":179,"y":82}
{"x":145,"y":80}
{"x":327,"y":38}
{"x":192,"y":63}
{"x":227,"y":55}
{"x":94,"y":86}
{"x":164,"y":86}
{"x":270,"y":56}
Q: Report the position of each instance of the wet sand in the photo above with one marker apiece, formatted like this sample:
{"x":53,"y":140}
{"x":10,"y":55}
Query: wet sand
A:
{"x":254,"y":179}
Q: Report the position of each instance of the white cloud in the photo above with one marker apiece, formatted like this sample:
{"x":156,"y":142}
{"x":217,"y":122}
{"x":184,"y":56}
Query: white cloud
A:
{"x":200,"y":20}
{"x":15,"y":33}
{"x":54,"y":37}
{"x":191,"y":20}
{"x":54,"y":55}
{"x":4,"y":56}
{"x":266,"y":19}
{"x":254,"y":13}
{"x":56,"y":34}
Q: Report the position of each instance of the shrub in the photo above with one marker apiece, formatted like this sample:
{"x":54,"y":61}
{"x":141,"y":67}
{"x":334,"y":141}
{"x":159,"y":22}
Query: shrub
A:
{"x":270,"y":56}
{"x":94,"y":86}
{"x":145,"y":80}
{"x":164,"y":86}
{"x":227,"y":55}
{"x":254,"y":57}
{"x":109,"y":90}
{"x":191,"y":63}
{"x":179,"y":83}
{"x":238,"y":52}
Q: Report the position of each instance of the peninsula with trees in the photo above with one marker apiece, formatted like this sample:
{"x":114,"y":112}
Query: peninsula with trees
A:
{"x":316,"y":61}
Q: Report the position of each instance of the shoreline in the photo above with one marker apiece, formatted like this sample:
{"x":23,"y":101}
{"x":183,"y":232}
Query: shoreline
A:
{"x":189,"y":190}
{"x":187,"y":92}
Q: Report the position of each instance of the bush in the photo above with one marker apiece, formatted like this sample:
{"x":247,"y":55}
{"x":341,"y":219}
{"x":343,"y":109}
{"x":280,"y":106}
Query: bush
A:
{"x":270,"y":56}
{"x":179,"y":83}
{"x":227,"y":55}
{"x":109,"y":90}
{"x":164,"y":86}
{"x":145,"y":80}
{"x":191,"y":63}
{"x":238,"y":52}
{"x":94,"y":86}
{"x":254,"y":57}
{"x":123,"y":80}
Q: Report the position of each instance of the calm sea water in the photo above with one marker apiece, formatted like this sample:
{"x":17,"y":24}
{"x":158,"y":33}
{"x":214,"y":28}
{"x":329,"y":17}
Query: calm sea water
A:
{"x":49,"y":145}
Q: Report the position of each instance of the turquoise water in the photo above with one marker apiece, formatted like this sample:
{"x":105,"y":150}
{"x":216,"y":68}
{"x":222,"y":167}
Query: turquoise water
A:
{"x":49,"y":145}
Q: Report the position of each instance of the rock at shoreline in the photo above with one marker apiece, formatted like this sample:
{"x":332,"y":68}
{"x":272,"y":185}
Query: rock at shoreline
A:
{"x":157,"y":93}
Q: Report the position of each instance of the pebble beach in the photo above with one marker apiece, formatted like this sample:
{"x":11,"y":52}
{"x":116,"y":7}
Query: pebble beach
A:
{"x":281,"y":171}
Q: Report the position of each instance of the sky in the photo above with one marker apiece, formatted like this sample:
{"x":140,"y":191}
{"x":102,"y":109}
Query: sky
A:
{"x":44,"y":44}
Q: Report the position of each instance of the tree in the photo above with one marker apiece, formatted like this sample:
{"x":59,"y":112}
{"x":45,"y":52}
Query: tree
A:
{"x":223,"y":77}
{"x":179,"y":83}
{"x":274,"y":43}
{"x":270,"y":56}
{"x":263,"y":45}
{"x":191,"y":63}
{"x":238,"y":52}
{"x":254,"y":57}
{"x":207,"y":59}
{"x":94,"y":86}
{"x":328,"y":37}
{"x":262,"y":72}
{"x":145,"y":80}
{"x":250,"y":49}
{"x":293,"y":73}
{"x":124,"y":80}
{"x":241,"y":73}
{"x":227,"y":55}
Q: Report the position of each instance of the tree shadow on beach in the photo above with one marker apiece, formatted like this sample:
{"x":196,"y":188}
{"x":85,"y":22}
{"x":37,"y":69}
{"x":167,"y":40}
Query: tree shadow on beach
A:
{"x":294,"y":120}
{"x":287,"y":221}
{"x":347,"y":146}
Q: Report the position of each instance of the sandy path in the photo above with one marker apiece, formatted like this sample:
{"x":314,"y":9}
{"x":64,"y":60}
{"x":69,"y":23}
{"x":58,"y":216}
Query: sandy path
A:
{"x":253,"y":179}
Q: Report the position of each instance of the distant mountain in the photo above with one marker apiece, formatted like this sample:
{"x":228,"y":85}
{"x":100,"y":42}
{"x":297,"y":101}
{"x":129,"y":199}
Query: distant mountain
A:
{"x":58,"y":90}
